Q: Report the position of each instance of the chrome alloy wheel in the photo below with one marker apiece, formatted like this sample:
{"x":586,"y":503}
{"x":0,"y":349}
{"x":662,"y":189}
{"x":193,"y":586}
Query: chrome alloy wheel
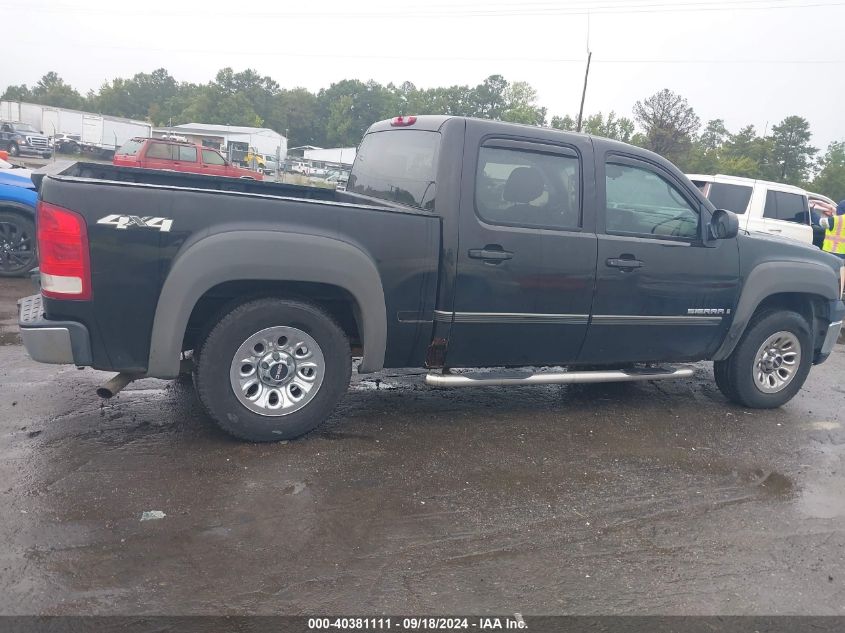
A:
{"x":277,"y":371}
{"x":777,"y":362}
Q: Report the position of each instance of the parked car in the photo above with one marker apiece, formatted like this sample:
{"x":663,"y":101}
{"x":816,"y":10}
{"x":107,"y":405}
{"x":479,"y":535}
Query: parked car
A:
{"x":155,"y":153}
{"x":17,"y":221}
{"x":459,"y":243}
{"x":768,"y":207}
{"x":21,"y":139}
{"x":67,"y":143}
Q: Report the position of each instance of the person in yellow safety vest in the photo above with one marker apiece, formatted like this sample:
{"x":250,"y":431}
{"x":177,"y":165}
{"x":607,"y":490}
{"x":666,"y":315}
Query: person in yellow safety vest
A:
{"x":834,"y":236}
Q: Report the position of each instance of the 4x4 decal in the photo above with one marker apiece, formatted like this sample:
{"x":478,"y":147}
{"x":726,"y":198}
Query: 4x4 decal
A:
{"x":145,"y":222}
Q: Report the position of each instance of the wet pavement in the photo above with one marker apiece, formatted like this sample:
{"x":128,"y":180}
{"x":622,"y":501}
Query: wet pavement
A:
{"x":656,"y":498}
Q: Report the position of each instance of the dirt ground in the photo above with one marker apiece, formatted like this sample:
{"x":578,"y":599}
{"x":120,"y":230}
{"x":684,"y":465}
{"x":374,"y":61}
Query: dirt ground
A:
{"x":648,"y":498}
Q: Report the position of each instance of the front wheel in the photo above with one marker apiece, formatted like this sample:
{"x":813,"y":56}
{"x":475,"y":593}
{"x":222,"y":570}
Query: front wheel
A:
{"x":17,"y":245}
{"x":14,"y":150}
{"x":272,"y":369}
{"x":770,"y":363}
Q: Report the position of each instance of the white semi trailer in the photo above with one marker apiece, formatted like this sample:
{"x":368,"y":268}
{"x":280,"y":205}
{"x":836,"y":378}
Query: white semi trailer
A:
{"x":97,"y":133}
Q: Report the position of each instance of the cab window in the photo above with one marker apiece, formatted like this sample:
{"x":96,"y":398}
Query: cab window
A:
{"x":160,"y":150}
{"x":187,"y":154}
{"x":642,"y":202}
{"x":515,"y":187}
{"x":782,"y":205}
{"x":210,"y":157}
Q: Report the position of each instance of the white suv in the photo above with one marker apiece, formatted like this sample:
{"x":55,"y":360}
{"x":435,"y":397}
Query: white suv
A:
{"x":769,"y":207}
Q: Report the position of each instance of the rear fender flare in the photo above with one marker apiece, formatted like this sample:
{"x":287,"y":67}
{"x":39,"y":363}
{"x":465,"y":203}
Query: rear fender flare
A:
{"x":271,"y":255}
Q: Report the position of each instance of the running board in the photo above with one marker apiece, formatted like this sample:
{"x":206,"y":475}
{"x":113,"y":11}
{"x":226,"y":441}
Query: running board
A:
{"x":510,"y":378}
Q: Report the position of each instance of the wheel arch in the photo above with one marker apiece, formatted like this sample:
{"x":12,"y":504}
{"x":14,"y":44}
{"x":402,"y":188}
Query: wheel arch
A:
{"x":278,"y":257}
{"x":804,"y":287}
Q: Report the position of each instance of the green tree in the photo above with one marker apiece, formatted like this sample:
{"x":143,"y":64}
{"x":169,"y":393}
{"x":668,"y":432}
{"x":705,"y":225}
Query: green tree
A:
{"x":830,"y":181}
{"x":791,"y":149}
{"x":565,"y":122}
{"x":52,"y":90}
{"x":488,"y":98}
{"x":669,"y":124}
{"x":17,"y":93}
{"x":520,"y":105}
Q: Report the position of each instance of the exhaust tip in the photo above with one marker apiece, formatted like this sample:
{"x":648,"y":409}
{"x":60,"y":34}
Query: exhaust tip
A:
{"x":105,"y":393}
{"x":113,"y":386}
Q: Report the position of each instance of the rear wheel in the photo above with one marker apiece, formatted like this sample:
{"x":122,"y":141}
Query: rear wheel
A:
{"x":770,"y":363}
{"x":272,"y":369}
{"x":17,"y":245}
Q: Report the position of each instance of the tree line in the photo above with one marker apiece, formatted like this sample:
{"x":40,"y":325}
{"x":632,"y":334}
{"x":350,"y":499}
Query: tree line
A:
{"x":339,"y":115}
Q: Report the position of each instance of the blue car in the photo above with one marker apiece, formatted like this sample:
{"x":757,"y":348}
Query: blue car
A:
{"x":17,"y":221}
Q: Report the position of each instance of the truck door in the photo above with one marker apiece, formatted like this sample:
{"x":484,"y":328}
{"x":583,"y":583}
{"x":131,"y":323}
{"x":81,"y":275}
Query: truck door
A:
{"x":527,"y":251}
{"x":213,"y":163}
{"x":661,"y":294}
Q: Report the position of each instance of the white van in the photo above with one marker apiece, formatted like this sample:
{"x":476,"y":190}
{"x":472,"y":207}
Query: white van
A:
{"x":769,"y":207}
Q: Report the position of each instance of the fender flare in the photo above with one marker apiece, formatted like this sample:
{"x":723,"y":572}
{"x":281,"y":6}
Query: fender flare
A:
{"x":15,"y":206}
{"x":271,"y":255}
{"x":770,"y":278}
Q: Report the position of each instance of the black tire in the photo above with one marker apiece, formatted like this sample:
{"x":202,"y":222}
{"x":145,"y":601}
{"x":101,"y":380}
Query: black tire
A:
{"x":18,"y":247}
{"x":721,"y":372}
{"x":215,"y":355}
{"x":14,"y":150}
{"x":735,"y":375}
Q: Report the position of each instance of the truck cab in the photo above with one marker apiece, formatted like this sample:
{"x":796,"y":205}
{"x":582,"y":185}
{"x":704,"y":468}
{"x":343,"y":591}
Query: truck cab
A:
{"x":769,"y":207}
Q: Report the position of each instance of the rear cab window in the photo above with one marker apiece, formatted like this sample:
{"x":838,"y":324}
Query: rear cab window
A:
{"x":399,"y":166}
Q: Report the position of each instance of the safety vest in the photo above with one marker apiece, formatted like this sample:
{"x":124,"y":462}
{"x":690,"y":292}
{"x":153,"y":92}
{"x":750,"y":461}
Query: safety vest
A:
{"x":834,"y":237}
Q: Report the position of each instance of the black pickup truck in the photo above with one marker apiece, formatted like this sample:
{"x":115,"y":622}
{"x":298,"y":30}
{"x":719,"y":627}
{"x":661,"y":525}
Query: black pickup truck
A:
{"x":458,"y":244}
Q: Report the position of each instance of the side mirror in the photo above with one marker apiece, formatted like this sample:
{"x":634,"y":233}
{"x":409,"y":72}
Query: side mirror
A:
{"x":724,"y":225}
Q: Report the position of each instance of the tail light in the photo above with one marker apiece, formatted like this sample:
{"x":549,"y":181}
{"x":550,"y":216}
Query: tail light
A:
{"x":403,"y":121}
{"x":63,"y":257}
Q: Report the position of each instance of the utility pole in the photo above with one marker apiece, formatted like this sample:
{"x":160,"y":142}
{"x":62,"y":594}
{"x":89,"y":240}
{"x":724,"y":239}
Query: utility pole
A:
{"x":584,"y":92}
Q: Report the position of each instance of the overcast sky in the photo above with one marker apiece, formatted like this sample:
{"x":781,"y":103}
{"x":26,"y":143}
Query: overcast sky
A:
{"x":746,"y":61}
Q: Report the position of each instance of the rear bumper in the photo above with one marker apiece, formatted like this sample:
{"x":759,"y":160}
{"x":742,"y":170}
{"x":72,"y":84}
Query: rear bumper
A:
{"x":55,"y":342}
{"x":837,"y":313}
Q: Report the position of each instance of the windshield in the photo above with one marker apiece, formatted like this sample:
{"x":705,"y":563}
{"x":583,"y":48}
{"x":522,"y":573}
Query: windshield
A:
{"x":24,"y":127}
{"x":399,"y":166}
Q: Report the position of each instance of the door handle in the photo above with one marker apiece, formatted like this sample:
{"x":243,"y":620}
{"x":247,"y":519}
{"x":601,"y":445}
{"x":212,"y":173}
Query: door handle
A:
{"x":490,"y":253}
{"x":621,"y":262}
{"x":775,"y":230}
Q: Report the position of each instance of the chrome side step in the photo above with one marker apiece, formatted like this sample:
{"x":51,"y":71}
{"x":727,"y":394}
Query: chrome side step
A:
{"x":511,"y":378}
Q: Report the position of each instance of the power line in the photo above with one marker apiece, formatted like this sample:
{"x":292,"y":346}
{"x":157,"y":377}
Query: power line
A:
{"x":501,"y":60}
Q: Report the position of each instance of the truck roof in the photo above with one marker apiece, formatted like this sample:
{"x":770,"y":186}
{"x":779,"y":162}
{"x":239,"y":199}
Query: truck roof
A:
{"x":740,"y":180}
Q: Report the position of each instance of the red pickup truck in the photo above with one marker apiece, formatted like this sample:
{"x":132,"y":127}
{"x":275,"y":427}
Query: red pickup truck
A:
{"x":153,"y":153}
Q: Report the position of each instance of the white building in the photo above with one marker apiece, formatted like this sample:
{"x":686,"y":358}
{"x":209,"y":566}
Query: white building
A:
{"x":226,"y":137}
{"x":334,"y":156}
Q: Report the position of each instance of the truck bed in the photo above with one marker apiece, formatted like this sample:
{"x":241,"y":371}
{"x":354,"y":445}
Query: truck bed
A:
{"x":165,"y":178}
{"x":131,"y":261}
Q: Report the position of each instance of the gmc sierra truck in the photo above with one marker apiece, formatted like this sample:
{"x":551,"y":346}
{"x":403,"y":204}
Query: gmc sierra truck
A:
{"x":458,"y":244}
